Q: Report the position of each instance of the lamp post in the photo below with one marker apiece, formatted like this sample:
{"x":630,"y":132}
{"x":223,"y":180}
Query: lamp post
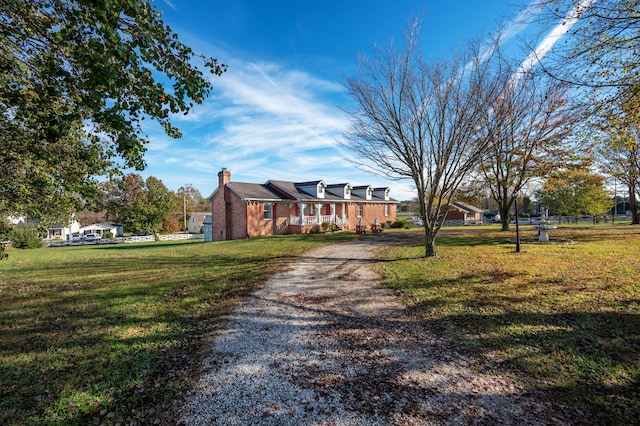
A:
{"x":515,"y":199}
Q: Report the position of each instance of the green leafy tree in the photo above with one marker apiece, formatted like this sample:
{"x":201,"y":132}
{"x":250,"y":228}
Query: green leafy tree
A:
{"x":78,"y":77}
{"x":118,"y":198}
{"x":5,"y":233}
{"x":575,"y":190}
{"x":140,"y":205}
{"x":26,"y":237}
{"x":152,"y":206}
{"x":5,"y":228}
{"x":619,"y":151}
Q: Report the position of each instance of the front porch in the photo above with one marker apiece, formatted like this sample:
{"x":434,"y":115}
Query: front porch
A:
{"x":312,"y":214}
{"x":310,"y":220}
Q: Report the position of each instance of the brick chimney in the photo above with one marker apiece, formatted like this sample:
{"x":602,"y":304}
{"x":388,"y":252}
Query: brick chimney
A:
{"x":224,"y":177}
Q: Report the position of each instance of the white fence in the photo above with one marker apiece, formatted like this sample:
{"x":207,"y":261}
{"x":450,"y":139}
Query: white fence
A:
{"x":120,"y":240}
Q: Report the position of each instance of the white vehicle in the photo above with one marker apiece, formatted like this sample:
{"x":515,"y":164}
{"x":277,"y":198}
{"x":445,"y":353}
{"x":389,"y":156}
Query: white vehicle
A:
{"x":91,"y":237}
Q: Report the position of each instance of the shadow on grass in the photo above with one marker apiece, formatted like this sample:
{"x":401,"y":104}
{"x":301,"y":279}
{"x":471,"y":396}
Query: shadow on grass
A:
{"x":119,"y":340}
{"x":587,"y":359}
{"x":468,"y":241}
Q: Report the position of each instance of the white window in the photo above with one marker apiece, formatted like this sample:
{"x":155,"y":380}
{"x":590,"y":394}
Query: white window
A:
{"x":386,"y":210}
{"x":359,"y":210}
{"x":268,"y":211}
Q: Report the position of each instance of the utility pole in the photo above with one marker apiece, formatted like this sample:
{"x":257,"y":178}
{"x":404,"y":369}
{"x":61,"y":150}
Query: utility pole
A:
{"x":184,"y":211}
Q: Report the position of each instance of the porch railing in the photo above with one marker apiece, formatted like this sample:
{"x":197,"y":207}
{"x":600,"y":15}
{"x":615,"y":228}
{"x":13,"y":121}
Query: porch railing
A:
{"x":313,"y":220}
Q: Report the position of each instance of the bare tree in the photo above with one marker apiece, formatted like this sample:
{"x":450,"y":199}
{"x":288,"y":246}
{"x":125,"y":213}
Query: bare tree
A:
{"x":527,"y":129}
{"x":417,"y":119}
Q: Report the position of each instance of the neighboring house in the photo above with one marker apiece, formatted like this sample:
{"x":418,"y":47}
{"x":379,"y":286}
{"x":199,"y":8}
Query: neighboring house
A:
{"x":57,"y":231}
{"x":196,"y":222}
{"x":243,"y":210}
{"x":20,"y":220}
{"x":102,"y":228}
{"x":61,"y":231}
{"x":460,"y":212}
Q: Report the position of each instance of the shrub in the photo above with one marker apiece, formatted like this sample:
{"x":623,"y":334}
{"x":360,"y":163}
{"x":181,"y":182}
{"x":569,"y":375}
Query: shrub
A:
{"x":387,"y":224}
{"x":107,"y":235}
{"x":326,"y":226}
{"x":404,"y":224}
{"x":5,"y":228}
{"x":314,"y":230}
{"x":170,"y":225}
{"x":26,"y":238}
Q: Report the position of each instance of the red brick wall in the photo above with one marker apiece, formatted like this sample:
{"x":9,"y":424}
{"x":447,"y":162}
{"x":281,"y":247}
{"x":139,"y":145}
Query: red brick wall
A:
{"x":236,"y":217}
{"x":369,"y":213}
{"x":218,"y":217}
{"x":281,"y":214}
{"x":257,"y":226}
{"x":232,"y":219}
{"x":228,"y":216}
{"x":454,"y":214}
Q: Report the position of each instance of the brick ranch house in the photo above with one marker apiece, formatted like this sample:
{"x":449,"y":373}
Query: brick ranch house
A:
{"x":243,"y":210}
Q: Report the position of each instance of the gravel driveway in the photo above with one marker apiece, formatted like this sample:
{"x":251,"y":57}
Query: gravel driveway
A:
{"x":323,"y":344}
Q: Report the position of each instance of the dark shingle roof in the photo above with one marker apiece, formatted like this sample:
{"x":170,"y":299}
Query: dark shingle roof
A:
{"x":280,"y":190}
{"x":466,"y":207}
{"x":255,"y":191}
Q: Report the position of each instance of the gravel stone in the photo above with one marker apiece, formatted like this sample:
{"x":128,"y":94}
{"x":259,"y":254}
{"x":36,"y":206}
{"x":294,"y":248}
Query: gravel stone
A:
{"x":324,"y":344}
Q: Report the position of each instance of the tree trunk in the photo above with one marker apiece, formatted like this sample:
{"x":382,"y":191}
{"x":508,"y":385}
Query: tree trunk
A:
{"x":633,"y":206}
{"x":504,"y":215}
{"x":429,"y":242}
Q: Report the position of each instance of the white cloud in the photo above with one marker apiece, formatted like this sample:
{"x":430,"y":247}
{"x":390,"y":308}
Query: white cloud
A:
{"x":554,"y":36}
{"x":263,"y":121}
{"x":170,"y":4}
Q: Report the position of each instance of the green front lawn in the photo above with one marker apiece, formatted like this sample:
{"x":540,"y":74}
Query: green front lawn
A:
{"x":565,"y":317}
{"x":108,"y":334}
{"x":112,"y":333}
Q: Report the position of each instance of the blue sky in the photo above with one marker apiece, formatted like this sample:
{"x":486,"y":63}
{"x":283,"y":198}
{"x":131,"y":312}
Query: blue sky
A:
{"x":276,"y":113}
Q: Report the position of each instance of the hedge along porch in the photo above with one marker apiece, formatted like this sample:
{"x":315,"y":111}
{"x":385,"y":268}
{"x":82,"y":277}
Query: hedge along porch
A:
{"x":243,"y":210}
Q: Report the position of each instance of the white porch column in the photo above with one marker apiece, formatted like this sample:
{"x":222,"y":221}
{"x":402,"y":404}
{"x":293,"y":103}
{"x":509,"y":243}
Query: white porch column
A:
{"x":344,"y":215}
{"x":301,"y":213}
{"x":319,"y":213}
{"x":333,"y":213}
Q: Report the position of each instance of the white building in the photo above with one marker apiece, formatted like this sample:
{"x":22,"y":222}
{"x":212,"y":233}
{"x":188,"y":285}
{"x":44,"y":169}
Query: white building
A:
{"x":196,"y":222}
{"x":102,"y":228}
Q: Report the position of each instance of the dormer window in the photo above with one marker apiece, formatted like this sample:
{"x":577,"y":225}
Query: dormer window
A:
{"x":382,"y":193}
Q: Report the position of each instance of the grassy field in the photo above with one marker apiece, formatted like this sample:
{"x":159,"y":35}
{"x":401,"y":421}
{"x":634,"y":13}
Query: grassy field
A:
{"x":564,"y":317}
{"x":109,"y":334}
